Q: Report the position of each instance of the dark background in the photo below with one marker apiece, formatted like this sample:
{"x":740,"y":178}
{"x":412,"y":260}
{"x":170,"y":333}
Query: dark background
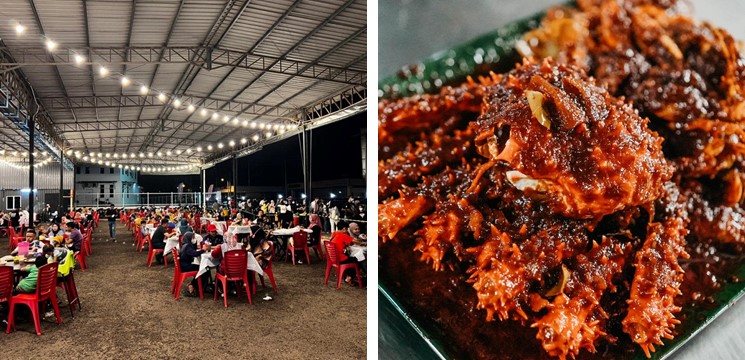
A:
{"x":336,"y":154}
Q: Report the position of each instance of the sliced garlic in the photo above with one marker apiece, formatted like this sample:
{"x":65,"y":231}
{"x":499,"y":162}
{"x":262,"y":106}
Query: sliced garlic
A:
{"x":535,"y":100}
{"x":559,"y":287}
{"x":523,"y":182}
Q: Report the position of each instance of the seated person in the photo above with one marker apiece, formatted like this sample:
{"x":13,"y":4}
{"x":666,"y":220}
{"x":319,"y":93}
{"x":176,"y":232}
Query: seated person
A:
{"x":184,"y":227}
{"x":55,"y":230}
{"x":158,"y":239}
{"x":28,"y":284}
{"x":212,"y":237}
{"x":341,"y":240}
{"x":317,"y":227}
{"x":34,"y":245}
{"x":75,"y":239}
{"x":187,"y":254}
{"x":257,"y":236}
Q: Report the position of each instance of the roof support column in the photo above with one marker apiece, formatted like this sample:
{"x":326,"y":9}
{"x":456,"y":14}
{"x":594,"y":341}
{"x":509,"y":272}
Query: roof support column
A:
{"x":31,"y":126}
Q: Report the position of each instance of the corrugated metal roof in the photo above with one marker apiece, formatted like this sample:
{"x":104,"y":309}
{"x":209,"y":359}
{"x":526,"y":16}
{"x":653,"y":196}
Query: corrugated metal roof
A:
{"x":330,"y":34}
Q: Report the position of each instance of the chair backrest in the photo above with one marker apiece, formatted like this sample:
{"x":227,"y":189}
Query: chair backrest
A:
{"x":331,"y":255}
{"x":300,"y":239}
{"x":46,"y":280}
{"x":235,"y":263}
{"x":6,"y":283}
{"x":176,"y":262}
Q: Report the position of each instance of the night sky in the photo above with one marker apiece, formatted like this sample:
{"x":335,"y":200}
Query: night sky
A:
{"x":336,"y":154}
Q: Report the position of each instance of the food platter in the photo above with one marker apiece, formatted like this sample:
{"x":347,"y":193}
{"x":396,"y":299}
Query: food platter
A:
{"x":401,"y":323}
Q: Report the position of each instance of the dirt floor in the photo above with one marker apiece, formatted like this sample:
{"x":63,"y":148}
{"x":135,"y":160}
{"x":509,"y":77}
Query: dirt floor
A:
{"x":129,"y":313}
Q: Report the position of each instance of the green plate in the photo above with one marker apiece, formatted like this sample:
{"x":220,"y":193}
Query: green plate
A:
{"x":398,"y":327}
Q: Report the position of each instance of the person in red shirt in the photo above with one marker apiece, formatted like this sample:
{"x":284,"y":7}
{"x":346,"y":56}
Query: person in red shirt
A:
{"x":341,"y":239}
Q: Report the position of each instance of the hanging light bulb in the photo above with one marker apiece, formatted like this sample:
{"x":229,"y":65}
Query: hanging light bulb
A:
{"x":176,"y":103}
{"x":124,"y":155}
{"x":108,"y":155}
{"x":150,"y":154}
{"x":235,"y":121}
{"x":20,"y":29}
{"x":244,"y":140}
{"x":245,"y":123}
{"x":199,"y":149}
{"x":79,"y":59}
{"x":225,"y":118}
{"x":125,"y":81}
{"x":215,"y":116}
{"x":268,"y":134}
{"x":190,"y":108}
{"x":253,"y":124}
{"x":262,"y":126}
{"x":168,"y":152}
{"x":162,"y":97}
{"x":188,"y":151}
{"x":209,"y":147}
{"x":256,"y":137}
{"x":160,"y":153}
{"x":144,"y":90}
{"x":220,"y":145}
{"x":51,"y":45}
{"x":178,"y":152}
{"x":68,"y":152}
{"x":103,"y":71}
{"x":231,"y":143}
{"x":116,"y":156}
{"x":203,"y":112}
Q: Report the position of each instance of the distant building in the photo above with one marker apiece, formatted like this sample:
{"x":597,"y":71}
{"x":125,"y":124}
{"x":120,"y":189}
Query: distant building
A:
{"x":103,"y":185}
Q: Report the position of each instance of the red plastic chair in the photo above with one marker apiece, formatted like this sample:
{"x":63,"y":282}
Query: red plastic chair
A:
{"x":6,"y":283}
{"x":87,"y":243}
{"x":14,"y":240}
{"x":81,"y":259}
{"x":67,"y":283}
{"x":234,"y":267}
{"x":300,"y":243}
{"x":151,"y":255}
{"x":45,"y":290}
{"x":318,"y":247}
{"x":144,"y":239}
{"x":268,"y":271}
{"x":332,"y":260}
{"x":179,"y":277}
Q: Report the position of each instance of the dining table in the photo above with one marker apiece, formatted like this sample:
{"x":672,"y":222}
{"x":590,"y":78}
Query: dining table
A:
{"x":206,"y":261}
{"x":358,"y":251}
{"x":286,"y":234}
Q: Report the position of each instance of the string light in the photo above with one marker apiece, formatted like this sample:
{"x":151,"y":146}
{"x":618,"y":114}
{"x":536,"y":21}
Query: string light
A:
{"x":80,"y":59}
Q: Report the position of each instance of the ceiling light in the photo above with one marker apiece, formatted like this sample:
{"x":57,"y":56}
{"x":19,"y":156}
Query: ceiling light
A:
{"x":168,"y":152}
{"x":262,"y":126}
{"x":203,"y":112}
{"x":160,"y":153}
{"x":100,"y":154}
{"x":235,"y":121}
{"x":144,"y":90}
{"x":176,"y":103}
{"x":215,"y":116}
{"x":162,"y":97}
{"x":108,"y":155}
{"x":244,"y":140}
{"x":20,"y":29}
{"x":253,"y":124}
{"x":68,"y":152}
{"x":220,"y":145}
{"x":103,"y":71}
{"x":116,"y":156}
{"x":79,"y":59}
{"x":199,"y":149}
{"x":150,"y":154}
{"x":256,"y":137}
{"x":268,"y":134}
{"x":209,"y":147}
{"x":226,"y":118}
{"x":245,"y":123}
{"x":178,"y":152}
{"x":231,"y":143}
{"x":51,"y":45}
{"x":125,"y":81}
{"x":188,"y":151}
{"x":191,"y":108}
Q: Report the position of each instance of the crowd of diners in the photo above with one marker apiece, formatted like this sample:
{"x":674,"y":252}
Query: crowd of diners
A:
{"x":262,"y":216}
{"x":58,"y":241}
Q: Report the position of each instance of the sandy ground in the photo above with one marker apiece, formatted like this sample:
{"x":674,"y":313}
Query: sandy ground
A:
{"x":129,"y":313}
